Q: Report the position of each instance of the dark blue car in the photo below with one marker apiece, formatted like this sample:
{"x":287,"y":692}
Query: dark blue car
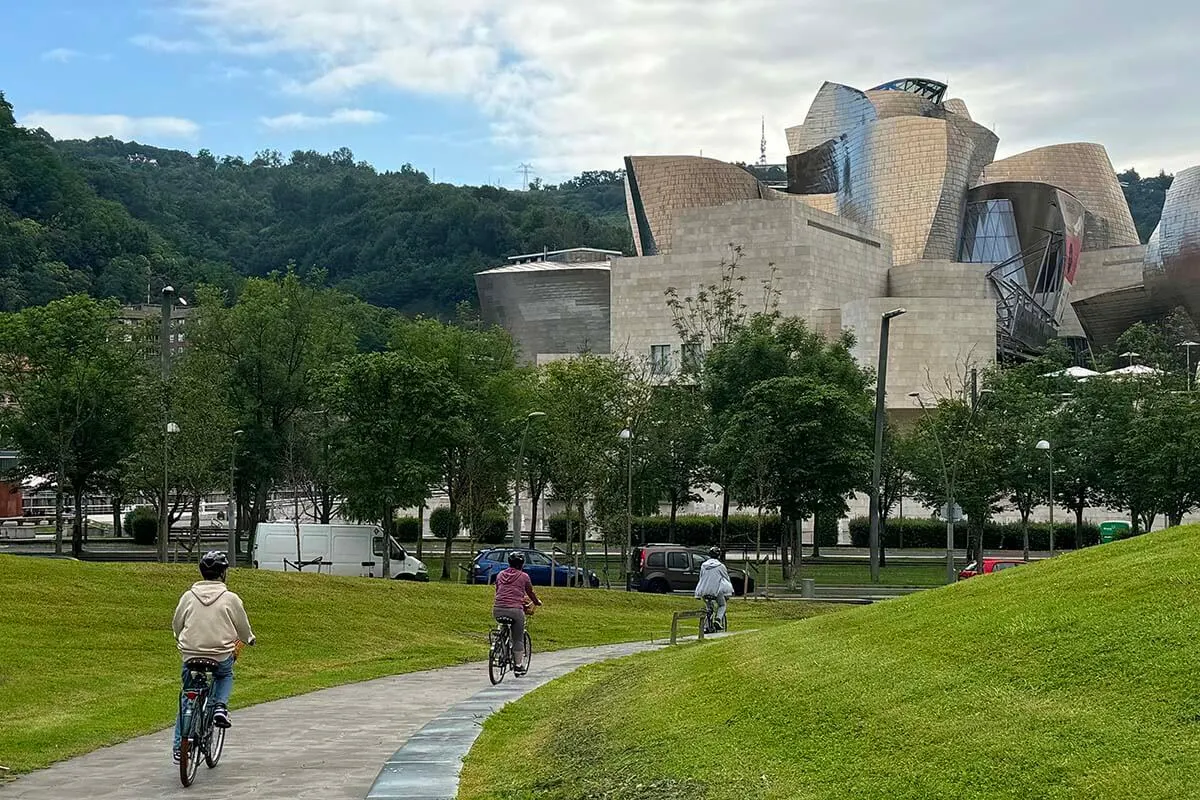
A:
{"x":488,"y":563}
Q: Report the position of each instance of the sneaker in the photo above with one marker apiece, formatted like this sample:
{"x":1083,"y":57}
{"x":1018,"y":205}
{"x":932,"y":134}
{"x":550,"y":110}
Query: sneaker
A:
{"x":175,"y":756}
{"x":221,"y":717}
{"x":520,"y":671}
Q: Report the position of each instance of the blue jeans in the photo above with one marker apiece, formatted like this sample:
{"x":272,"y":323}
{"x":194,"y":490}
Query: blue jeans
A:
{"x":221,"y":690}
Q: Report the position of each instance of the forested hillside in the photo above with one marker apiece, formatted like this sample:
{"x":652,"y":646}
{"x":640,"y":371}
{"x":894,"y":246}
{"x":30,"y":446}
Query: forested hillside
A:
{"x":394,"y":238}
{"x":113,"y":218}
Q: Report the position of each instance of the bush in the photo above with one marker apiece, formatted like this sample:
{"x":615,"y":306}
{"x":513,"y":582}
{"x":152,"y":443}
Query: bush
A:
{"x":142,"y":524}
{"x":407,"y":529}
{"x":826,"y":531}
{"x":695,"y":530}
{"x":557,"y":525}
{"x":443,"y":524}
{"x":492,"y":526}
{"x":931,"y":534}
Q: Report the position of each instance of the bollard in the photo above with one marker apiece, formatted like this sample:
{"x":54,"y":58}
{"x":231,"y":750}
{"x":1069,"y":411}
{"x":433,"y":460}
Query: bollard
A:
{"x":808,"y":587}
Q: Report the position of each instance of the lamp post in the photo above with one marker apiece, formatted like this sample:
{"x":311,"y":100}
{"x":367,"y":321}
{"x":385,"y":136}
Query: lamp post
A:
{"x":627,"y":550}
{"x":885,"y":321}
{"x":1188,"y":345}
{"x":516,"y":513}
{"x":231,"y":511}
{"x":1044,"y":444}
{"x":1131,"y":356}
{"x":164,"y":345}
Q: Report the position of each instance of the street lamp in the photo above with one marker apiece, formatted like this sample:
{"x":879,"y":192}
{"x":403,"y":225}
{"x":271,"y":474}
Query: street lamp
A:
{"x":1044,"y":444}
{"x":516,"y":513}
{"x":627,"y":550}
{"x":164,"y":344}
{"x":1131,"y":356}
{"x":1188,"y":345}
{"x":885,"y":321}
{"x":231,"y":512}
{"x":164,"y":518}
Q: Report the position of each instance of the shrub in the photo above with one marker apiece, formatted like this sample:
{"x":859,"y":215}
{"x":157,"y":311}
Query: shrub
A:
{"x":931,"y":534}
{"x":826,"y":531}
{"x":142,"y":525}
{"x":697,"y":530}
{"x":492,"y":526}
{"x":557,"y":525}
{"x":443,"y":524}
{"x":407,"y":529}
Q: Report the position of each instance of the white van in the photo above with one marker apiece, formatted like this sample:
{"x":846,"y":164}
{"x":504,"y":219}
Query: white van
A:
{"x":342,"y":550}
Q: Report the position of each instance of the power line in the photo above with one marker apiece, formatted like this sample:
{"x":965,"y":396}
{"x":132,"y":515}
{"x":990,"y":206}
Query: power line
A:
{"x":525,"y":170}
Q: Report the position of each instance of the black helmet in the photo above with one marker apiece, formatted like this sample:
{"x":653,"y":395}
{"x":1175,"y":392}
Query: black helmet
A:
{"x":214,"y":565}
{"x":516,"y":559}
{"x":714,"y":552}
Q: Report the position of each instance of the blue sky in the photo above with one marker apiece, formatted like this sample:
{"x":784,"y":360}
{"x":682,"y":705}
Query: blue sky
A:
{"x":473,"y":88}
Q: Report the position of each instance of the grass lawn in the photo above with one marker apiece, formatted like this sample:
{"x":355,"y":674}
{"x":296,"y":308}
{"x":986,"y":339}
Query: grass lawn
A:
{"x":1076,"y":678}
{"x":87,"y":657}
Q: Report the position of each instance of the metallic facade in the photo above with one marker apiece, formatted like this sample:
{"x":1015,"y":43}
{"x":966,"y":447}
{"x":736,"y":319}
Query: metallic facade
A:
{"x":549,"y":307}
{"x":1172,"y":261}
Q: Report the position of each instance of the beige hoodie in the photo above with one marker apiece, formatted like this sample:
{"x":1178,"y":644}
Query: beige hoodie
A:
{"x":209,"y":622}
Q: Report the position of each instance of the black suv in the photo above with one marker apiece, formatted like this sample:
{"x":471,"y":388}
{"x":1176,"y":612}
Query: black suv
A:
{"x":673,"y":567}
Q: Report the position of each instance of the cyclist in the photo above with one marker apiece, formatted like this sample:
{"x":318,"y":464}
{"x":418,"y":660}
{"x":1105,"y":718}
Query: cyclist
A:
{"x":512,"y":587}
{"x":714,"y":582}
{"x":209,"y":622}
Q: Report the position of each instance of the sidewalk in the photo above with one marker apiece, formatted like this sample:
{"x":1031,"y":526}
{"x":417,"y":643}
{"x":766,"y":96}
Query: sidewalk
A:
{"x":326,"y":745}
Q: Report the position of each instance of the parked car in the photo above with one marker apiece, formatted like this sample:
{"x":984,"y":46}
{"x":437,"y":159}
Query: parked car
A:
{"x":488,"y":563}
{"x":990,"y":565}
{"x":672,"y":567}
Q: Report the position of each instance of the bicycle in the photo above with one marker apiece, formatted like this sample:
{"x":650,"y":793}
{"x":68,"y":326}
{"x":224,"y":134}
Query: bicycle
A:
{"x":500,"y":652}
{"x":200,"y":736}
{"x":711,"y":625}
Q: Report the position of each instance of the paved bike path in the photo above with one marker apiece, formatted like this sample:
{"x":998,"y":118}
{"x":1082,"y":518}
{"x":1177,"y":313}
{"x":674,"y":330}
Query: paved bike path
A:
{"x":328,"y":744}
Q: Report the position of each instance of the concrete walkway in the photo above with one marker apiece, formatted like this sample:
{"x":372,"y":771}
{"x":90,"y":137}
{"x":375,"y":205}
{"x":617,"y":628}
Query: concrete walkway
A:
{"x":328,"y":744}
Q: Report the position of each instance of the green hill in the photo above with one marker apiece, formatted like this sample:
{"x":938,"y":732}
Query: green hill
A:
{"x":1076,"y":678}
{"x":87,"y":658}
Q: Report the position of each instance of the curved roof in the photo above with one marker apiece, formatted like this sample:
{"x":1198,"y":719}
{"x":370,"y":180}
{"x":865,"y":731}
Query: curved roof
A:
{"x":925,"y":87}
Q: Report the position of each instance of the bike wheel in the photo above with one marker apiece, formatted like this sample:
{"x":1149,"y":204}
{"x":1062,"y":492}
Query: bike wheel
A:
{"x":189,"y":761}
{"x":215,"y":745}
{"x":528,"y":650}
{"x":497,"y":663}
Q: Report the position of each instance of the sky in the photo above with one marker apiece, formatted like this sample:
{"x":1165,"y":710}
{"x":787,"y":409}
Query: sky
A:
{"x":469,"y":90}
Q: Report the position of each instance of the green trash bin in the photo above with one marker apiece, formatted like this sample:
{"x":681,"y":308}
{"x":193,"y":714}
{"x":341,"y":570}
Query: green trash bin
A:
{"x":1112,"y":530}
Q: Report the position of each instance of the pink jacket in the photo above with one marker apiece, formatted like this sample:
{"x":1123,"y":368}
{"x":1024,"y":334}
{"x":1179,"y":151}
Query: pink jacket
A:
{"x":512,"y":585}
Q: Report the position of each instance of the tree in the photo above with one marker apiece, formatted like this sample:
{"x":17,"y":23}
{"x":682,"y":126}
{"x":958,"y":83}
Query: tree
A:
{"x":66,"y":370}
{"x":676,"y":434}
{"x":395,"y":414}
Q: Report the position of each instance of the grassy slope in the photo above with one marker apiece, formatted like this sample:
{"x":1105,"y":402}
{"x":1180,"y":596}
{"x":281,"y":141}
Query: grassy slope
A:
{"x":87,"y":657}
{"x":1076,"y":678}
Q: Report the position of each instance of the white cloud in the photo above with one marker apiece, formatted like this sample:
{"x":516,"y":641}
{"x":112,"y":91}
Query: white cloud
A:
{"x":160,"y":45}
{"x":61,"y":54}
{"x":579,"y":84}
{"x":120,"y":126}
{"x":342,"y":116}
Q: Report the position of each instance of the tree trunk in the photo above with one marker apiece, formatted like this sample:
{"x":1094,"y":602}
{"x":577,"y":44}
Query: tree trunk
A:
{"x":534,"y":498}
{"x":1025,"y":532}
{"x":116,"y":512}
{"x":195,"y":526}
{"x":724,"y":510}
{"x":583,"y":582}
{"x":385,"y":570}
{"x":758,"y":551}
{"x":450,"y":534}
{"x":58,"y":513}
{"x":420,"y":530}
{"x":674,"y":511}
{"x":77,"y":528}
{"x":798,"y":559}
{"x":817,"y":519}
{"x":784,"y":561}
{"x":882,"y":538}
{"x":326,"y":504}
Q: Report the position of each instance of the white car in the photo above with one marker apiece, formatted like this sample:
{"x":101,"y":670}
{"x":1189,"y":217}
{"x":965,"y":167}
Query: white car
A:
{"x":332,"y":550}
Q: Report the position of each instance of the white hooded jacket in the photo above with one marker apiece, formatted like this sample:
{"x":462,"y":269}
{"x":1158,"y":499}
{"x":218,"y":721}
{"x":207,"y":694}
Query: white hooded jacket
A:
{"x":209,"y":622}
{"x":714,"y":580}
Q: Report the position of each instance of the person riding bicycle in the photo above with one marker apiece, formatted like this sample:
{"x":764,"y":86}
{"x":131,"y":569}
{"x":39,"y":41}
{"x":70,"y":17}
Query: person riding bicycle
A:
{"x":210,"y":622}
{"x":714,"y":582}
{"x":512,"y":587}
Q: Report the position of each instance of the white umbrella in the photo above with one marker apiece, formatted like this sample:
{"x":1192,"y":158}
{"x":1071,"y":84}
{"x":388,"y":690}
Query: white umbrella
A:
{"x":1134,"y":369}
{"x":1072,"y":372}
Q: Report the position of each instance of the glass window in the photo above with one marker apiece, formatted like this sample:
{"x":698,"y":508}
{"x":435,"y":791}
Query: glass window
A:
{"x":677,"y":560}
{"x":539,"y":559}
{"x":990,"y":237}
{"x":999,"y":565}
{"x":692,"y":356}
{"x":697,"y":560}
{"x":656,"y":561}
{"x":660,"y":359}
{"x":377,"y":547}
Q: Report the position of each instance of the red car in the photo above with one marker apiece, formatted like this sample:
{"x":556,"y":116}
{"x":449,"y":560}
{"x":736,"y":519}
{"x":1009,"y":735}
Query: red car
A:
{"x":990,"y":565}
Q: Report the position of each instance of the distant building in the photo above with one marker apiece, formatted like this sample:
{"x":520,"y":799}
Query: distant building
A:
{"x":143,"y":322}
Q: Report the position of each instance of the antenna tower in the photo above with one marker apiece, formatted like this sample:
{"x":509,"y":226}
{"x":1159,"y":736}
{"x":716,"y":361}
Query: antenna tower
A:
{"x":525,"y":170}
{"x":762,"y":145}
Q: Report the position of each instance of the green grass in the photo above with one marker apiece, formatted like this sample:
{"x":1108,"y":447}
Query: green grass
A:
{"x":1077,"y":678}
{"x":87,"y":657}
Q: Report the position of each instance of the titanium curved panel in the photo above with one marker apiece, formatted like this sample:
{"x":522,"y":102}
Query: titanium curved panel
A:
{"x":905,"y":176}
{"x":956,"y":105}
{"x":1173,"y":253}
{"x":658,"y":187}
{"x":835,"y":110}
{"x":1084,"y":170}
{"x":549,"y":309}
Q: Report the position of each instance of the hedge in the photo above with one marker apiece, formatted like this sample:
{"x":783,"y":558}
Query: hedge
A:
{"x":556,"y":524}
{"x":442,"y":523}
{"x":931,"y":533}
{"x":142,"y":524}
{"x":407,"y":529}
{"x":492,"y":526}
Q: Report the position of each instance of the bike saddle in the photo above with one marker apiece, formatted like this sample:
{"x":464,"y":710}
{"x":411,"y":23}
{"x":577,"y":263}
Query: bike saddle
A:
{"x":201,"y":664}
{"x":505,"y":620}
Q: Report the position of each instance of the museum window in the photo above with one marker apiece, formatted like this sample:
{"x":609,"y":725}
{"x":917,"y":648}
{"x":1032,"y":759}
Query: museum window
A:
{"x":660,"y":359}
{"x":990,"y":237}
{"x":691,"y":356}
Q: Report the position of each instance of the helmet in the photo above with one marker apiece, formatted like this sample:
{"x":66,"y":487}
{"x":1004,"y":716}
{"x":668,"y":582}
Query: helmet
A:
{"x":516,"y":559}
{"x":213,"y":566}
{"x":714,"y":552}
